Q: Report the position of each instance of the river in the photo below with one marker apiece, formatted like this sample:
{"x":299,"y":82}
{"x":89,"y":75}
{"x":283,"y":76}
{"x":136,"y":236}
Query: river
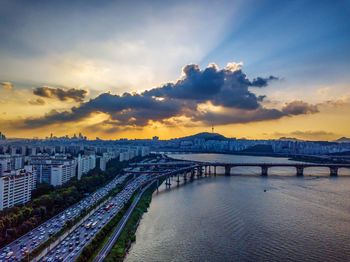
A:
{"x":246,"y":217}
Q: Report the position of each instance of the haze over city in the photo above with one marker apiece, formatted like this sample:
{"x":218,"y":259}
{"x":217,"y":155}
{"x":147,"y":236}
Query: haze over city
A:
{"x":137,"y":69}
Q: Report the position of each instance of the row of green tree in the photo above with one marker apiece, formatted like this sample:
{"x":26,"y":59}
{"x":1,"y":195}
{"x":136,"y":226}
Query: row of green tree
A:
{"x":48,"y":201}
{"x":120,"y":248}
{"x":128,"y":235}
{"x":92,"y":249}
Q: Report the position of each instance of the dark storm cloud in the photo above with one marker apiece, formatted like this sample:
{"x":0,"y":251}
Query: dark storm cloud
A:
{"x":262,"y":82}
{"x":238,"y":116}
{"x":77,"y":95}
{"x":299,"y":108}
{"x":227,"y":88}
{"x":128,"y":109}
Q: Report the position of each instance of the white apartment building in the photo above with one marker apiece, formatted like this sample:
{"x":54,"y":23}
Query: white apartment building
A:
{"x":85,"y":163}
{"x":61,"y":174}
{"x":8,"y":162}
{"x":54,"y":171}
{"x":15,"y":188}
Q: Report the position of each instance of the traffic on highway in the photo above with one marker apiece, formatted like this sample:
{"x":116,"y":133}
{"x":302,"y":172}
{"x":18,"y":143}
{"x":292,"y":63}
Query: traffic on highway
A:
{"x":21,"y":247}
{"x":71,"y":246}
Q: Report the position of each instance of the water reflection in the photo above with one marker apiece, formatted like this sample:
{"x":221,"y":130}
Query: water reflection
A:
{"x":233,"y":219}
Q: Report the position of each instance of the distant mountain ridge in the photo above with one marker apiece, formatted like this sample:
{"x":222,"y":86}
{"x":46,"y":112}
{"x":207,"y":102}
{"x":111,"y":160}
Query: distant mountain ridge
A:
{"x":343,"y":140}
{"x":205,"y":136}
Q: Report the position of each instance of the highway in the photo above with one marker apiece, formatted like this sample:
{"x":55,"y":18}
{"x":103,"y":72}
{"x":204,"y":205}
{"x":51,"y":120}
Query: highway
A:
{"x":28,"y":242}
{"x":119,"y":229}
{"x":71,"y":246}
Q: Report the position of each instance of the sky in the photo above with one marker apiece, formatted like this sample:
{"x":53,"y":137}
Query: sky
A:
{"x":257,"y":69}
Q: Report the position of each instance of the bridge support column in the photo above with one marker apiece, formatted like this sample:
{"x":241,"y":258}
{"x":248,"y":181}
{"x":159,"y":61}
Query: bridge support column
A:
{"x":264,"y":170}
{"x":333,"y":171}
{"x":185,"y":176}
{"x":192,"y":173}
{"x":178,"y":179}
{"x":209,"y":171}
{"x":300,"y":170}
{"x":214,"y":170}
{"x":205,"y":170}
{"x":167,"y":181}
{"x":227,"y":170}
{"x":200,"y":171}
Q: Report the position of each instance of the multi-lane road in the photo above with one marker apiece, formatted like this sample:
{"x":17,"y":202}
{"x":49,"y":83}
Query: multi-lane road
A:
{"x":119,"y":229}
{"x":19,"y":248}
{"x":71,"y":246}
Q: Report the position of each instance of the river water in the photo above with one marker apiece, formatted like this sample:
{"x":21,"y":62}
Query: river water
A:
{"x":232,"y":218}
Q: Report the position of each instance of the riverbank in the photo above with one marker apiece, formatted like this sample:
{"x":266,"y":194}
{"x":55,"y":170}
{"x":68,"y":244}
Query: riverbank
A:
{"x":238,"y":215}
{"x":128,"y":236}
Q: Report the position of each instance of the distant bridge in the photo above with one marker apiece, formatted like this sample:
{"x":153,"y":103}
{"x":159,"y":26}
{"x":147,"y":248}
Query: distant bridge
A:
{"x":210,"y":167}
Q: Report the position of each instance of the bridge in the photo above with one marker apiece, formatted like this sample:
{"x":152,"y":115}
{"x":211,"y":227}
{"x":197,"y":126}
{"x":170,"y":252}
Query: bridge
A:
{"x":209,"y":168}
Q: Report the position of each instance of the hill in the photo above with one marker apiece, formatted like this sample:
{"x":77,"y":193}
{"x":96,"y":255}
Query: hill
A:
{"x":204,"y":136}
{"x":343,"y":140}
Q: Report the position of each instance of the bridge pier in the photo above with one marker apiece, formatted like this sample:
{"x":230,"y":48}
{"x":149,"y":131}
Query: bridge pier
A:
{"x":227,"y":170}
{"x":200,"y":171}
{"x":333,"y":171}
{"x":214,"y":170}
{"x":167,"y":182}
{"x":209,"y":171}
{"x":300,"y":170}
{"x":185,"y":176}
{"x":205,"y":170}
{"x":178,"y":179}
{"x":264,"y":170}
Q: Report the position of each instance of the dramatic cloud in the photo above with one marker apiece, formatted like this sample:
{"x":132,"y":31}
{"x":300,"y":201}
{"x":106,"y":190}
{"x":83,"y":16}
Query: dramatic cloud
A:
{"x":299,"y":108}
{"x":37,"y":102}
{"x":77,"y":95}
{"x":238,"y":116}
{"x":7,"y":85}
{"x":128,"y":109}
{"x":262,"y":82}
{"x":209,"y":96}
{"x":227,"y":87}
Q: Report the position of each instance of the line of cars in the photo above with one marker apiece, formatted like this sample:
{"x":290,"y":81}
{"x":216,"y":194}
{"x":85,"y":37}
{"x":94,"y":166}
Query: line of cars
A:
{"x":21,"y":247}
{"x":73,"y":244}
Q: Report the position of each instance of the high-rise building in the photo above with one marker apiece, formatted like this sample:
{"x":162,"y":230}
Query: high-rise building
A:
{"x":15,"y":188}
{"x":54,"y":171}
{"x":85,"y":163}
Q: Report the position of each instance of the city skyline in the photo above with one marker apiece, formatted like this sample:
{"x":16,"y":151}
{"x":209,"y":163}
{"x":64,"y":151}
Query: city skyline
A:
{"x":170,"y":69}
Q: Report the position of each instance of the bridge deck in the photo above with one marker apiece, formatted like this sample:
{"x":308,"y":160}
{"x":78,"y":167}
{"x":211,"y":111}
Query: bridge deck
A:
{"x":302,"y":164}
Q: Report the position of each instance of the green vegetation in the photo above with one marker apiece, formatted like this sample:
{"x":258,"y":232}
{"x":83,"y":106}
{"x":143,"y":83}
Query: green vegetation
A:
{"x":128,"y":236}
{"x":69,"y":224}
{"x":92,"y":249}
{"x":48,"y":201}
